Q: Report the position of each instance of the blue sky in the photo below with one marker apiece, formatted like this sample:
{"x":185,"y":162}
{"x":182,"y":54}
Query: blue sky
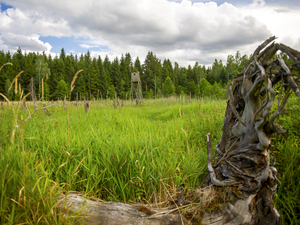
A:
{"x":182,"y":30}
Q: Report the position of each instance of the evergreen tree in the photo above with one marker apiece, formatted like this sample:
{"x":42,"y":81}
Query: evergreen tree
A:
{"x":9,"y":94}
{"x":94,"y":72}
{"x":61,"y":91}
{"x":57,"y":73}
{"x":2,"y":73}
{"x":126,"y":69}
{"x":62,"y":55}
{"x":103,"y":83}
{"x":193,"y":88}
{"x":168,"y":87}
{"x":69,"y":69}
{"x":117,"y":78}
{"x":217,"y":90}
{"x":165,"y":72}
{"x":205,"y":88}
{"x":29,"y":72}
{"x":42,"y":72}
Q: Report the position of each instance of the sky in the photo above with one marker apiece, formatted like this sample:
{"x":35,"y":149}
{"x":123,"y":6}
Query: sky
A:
{"x":184,"y":31}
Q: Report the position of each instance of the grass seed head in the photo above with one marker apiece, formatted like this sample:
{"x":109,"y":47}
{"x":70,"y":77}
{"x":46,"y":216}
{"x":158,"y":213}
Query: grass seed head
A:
{"x":8,"y":63}
{"x":15,"y":80}
{"x":5,"y":98}
{"x":74,"y":79}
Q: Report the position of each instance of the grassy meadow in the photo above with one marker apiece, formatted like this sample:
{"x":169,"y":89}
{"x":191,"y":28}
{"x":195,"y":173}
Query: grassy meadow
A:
{"x":129,"y":154}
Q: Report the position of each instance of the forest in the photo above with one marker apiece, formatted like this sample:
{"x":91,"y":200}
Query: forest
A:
{"x":101,"y":78}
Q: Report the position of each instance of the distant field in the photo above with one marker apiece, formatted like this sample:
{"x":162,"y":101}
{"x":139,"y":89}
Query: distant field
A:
{"x":127,"y":154}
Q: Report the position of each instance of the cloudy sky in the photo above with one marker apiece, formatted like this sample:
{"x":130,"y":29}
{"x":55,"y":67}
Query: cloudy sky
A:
{"x":184,"y":31}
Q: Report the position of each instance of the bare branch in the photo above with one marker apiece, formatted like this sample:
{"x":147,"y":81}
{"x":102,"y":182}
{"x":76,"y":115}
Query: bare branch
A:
{"x":211,"y":171}
{"x":231,"y":99}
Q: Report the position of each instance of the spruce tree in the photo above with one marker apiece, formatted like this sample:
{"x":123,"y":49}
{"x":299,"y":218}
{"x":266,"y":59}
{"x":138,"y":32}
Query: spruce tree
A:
{"x":168,"y":87}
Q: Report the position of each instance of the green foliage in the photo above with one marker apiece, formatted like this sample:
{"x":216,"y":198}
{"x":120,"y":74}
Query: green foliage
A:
{"x":168,"y":87}
{"x":205,"y":88}
{"x":124,"y":159}
{"x":42,"y":72}
{"x":111,"y":91}
{"x":98,"y":75}
{"x":217,"y":90}
{"x":9,"y":94}
{"x":61,"y":91}
{"x":148,"y":94}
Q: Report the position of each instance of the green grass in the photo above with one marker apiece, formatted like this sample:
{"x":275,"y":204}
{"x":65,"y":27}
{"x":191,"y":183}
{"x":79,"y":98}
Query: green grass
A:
{"x":119,"y":154}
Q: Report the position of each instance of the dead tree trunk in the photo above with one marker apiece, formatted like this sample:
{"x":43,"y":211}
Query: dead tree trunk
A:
{"x":243,"y":163}
{"x":242,"y":180}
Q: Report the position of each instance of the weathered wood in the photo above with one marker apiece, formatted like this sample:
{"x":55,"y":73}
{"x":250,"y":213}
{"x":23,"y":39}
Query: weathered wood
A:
{"x":88,"y":212}
{"x":243,"y":161}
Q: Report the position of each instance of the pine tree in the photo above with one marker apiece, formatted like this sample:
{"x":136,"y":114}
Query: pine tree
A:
{"x":168,"y":87}
{"x":57,"y":73}
{"x":205,"y":88}
{"x":62,"y":55}
{"x":69,"y":68}
{"x":103,"y":84}
{"x":29,"y":72}
{"x":62,"y":90}
{"x":94,"y":71}
{"x":117,"y":79}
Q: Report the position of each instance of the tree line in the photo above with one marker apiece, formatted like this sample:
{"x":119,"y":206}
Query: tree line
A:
{"x":101,"y":78}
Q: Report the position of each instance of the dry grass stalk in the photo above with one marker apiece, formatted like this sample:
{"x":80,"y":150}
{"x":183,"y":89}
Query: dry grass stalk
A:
{"x":2,"y":106}
{"x":15,"y":80}
{"x":16,"y":86}
{"x":5,"y":98}
{"x":74,"y":79}
{"x":8,"y":63}
{"x":23,"y":99}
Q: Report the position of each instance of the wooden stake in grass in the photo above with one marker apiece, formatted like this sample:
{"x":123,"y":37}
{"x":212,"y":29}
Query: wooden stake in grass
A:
{"x":86,"y":106}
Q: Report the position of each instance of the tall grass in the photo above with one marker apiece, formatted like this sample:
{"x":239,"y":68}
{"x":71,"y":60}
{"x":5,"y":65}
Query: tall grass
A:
{"x":129,"y":154}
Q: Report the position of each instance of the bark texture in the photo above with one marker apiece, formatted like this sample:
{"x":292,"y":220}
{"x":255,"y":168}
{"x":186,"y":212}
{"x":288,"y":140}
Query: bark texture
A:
{"x":243,"y":163}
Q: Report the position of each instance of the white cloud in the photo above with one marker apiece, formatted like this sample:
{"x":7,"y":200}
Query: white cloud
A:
{"x":258,"y":3}
{"x":29,"y":43}
{"x":88,"y":46}
{"x":180,"y":30}
{"x":281,"y":21}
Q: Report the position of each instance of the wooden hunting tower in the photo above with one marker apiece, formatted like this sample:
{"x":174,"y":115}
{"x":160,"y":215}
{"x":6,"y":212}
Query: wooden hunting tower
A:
{"x":136,"y":87}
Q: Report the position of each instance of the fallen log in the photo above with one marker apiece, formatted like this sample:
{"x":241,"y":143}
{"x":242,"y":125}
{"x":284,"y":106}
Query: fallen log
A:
{"x":79,"y":210}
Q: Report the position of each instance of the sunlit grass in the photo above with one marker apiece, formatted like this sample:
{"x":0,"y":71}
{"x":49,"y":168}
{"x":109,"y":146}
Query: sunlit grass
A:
{"x":119,"y":154}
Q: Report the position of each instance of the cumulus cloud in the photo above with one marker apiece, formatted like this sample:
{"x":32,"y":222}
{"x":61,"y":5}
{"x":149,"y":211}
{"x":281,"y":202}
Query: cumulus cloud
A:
{"x":28,"y":43}
{"x":180,"y":30}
